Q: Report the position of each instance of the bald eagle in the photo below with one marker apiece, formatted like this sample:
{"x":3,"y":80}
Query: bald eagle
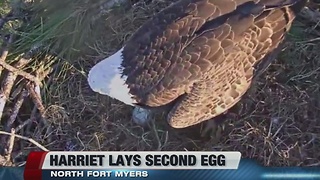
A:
{"x":198,"y":57}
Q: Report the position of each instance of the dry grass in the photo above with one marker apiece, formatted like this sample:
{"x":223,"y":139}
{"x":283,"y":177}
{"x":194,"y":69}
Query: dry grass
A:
{"x":277,"y":124}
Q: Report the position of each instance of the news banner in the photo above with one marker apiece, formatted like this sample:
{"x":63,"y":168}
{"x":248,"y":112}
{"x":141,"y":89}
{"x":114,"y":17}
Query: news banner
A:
{"x":154,"y":165}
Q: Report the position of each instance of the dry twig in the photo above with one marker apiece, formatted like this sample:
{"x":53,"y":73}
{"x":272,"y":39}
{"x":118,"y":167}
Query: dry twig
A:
{"x":20,"y":72}
{"x":18,"y":128}
{"x":10,"y":146}
{"x":16,"y":109}
{"x":27,"y":139}
{"x":3,"y":57}
{"x":28,"y":123}
{"x":36,"y":99}
{"x":8,"y":84}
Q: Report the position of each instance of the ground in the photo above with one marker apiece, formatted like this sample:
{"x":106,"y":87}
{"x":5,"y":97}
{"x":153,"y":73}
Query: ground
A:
{"x":277,"y":121}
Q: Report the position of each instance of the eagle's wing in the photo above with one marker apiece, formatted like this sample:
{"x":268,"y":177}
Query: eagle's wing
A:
{"x":152,"y":56}
{"x":193,"y":39}
{"x":245,"y":45}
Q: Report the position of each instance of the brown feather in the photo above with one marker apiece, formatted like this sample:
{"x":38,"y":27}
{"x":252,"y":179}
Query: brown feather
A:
{"x":207,"y":50}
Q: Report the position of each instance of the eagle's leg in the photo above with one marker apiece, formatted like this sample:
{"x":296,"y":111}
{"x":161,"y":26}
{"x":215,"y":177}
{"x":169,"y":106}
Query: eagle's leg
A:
{"x":142,"y":116}
{"x":213,"y":127}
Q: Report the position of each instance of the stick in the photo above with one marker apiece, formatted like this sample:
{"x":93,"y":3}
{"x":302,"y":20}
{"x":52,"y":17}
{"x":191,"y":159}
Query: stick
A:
{"x":5,"y":51}
{"x":32,"y":118}
{"x":36,"y":99}
{"x":10,"y":144}
{"x":27,"y":139}
{"x":18,"y":128}
{"x":16,"y":109}
{"x":8,"y":84}
{"x":20,"y":72}
{"x":3,"y":58}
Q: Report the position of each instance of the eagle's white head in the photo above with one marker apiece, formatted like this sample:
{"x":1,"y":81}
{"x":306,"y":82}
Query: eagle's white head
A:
{"x":105,"y":78}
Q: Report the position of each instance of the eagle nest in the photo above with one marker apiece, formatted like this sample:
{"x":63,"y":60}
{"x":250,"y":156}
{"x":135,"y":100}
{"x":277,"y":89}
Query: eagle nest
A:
{"x":46,"y":104}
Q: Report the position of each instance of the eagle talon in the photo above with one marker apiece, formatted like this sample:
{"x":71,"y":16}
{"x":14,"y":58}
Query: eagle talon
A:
{"x":215,"y":126}
{"x":141,"y":116}
{"x":212,"y":129}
